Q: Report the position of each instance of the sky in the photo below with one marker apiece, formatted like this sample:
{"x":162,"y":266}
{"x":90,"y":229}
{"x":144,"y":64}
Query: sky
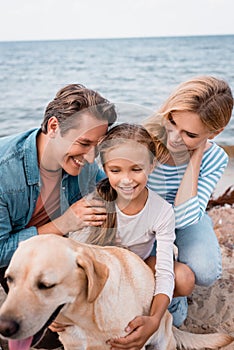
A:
{"x":79,"y":19}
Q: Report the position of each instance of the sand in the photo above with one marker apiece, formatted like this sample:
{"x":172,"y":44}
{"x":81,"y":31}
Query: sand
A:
{"x":212,"y":309}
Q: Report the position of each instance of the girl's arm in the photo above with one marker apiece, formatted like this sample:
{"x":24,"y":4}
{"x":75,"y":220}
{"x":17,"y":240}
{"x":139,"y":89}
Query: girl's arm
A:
{"x":142,"y":327}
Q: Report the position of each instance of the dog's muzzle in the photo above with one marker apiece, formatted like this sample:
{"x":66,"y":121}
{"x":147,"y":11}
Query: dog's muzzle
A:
{"x":9,"y":328}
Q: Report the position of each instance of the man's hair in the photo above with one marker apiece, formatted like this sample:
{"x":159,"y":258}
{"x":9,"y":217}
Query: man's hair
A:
{"x":74,"y":100}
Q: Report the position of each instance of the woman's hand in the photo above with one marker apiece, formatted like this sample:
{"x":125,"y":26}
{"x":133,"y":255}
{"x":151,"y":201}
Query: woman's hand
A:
{"x":199,"y":151}
{"x":189,"y":185}
{"x":139,"y":331}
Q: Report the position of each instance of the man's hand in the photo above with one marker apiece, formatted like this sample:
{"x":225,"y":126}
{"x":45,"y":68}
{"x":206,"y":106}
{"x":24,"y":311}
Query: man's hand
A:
{"x":85,"y":212}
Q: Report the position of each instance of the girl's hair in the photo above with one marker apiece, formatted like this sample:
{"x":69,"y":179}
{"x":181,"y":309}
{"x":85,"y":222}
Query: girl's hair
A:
{"x":126,"y":132}
{"x":207,"y":96}
{"x":122,"y":133}
{"x":106,"y":233}
{"x":74,"y":99}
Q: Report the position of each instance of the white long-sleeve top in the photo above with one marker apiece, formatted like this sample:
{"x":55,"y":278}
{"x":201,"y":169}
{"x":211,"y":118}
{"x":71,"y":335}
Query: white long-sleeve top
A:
{"x":138,"y":232}
{"x":165,"y":180}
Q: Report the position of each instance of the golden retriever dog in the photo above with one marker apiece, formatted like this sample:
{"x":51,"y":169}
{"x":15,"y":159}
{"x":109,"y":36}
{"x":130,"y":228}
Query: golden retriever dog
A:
{"x":94,"y":291}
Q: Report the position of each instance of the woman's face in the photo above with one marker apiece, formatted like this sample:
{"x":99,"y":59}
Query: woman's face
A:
{"x":185,"y":131}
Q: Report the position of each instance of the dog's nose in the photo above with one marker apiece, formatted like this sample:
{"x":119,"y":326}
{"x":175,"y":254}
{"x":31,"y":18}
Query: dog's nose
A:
{"x":8,"y":327}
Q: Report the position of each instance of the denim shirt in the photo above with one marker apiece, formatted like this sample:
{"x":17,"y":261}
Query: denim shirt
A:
{"x":20,"y":188}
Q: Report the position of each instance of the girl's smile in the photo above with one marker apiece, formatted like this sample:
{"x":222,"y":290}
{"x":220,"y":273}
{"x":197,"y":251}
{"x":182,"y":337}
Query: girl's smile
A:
{"x":127,"y":167}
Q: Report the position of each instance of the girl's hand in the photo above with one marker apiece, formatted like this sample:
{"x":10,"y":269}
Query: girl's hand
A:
{"x":140,"y":329}
{"x":57,"y":327}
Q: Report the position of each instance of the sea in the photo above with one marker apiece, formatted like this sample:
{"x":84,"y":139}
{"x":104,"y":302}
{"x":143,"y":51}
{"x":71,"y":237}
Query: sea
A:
{"x":137,"y":74}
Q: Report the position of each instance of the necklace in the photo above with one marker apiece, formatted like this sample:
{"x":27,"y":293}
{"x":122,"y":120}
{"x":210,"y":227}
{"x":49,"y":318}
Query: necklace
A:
{"x":49,"y":170}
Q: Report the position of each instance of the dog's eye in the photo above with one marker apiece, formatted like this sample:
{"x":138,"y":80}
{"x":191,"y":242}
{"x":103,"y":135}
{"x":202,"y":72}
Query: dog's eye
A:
{"x":42,"y":285}
{"x":9,"y":279}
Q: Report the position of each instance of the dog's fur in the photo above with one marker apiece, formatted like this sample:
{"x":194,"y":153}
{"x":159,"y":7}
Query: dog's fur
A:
{"x":101,"y":288}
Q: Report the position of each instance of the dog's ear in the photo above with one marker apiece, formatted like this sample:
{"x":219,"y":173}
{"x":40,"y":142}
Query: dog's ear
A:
{"x":97,"y":272}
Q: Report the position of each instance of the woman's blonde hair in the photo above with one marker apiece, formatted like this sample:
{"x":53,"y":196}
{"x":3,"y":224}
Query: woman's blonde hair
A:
{"x":207,"y":96}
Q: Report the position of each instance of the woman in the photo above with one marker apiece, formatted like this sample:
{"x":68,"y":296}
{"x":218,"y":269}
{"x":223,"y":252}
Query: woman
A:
{"x":190,"y":165}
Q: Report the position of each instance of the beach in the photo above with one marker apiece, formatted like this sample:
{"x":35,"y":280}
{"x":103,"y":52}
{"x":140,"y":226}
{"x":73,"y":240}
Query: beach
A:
{"x":137,"y":75}
{"x":212,"y":309}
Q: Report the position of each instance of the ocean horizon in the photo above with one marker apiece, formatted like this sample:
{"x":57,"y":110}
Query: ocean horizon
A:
{"x":119,"y":38}
{"x":137,"y":74}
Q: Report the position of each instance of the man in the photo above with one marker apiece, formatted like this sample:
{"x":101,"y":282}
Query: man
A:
{"x":45,"y":172}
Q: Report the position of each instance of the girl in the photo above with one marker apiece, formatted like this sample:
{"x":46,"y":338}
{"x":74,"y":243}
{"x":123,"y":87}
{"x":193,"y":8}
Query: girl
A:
{"x":127,"y":153}
{"x":191,"y":164}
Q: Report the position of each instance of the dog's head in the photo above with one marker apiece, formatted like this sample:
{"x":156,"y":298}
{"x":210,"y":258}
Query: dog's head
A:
{"x":46,"y":273}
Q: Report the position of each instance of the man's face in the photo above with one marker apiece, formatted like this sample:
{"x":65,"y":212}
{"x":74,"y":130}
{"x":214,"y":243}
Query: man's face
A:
{"x":77,"y":146}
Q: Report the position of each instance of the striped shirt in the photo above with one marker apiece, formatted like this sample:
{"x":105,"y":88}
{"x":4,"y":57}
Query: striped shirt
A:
{"x":165,"y":180}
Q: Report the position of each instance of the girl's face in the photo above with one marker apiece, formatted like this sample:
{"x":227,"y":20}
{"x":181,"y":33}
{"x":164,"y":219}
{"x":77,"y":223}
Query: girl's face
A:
{"x":185,"y":131}
{"x":127,"y":167}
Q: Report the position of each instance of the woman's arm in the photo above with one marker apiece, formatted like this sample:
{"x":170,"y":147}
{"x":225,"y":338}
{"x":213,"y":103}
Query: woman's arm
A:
{"x":189,"y":183}
{"x":196,"y":198}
